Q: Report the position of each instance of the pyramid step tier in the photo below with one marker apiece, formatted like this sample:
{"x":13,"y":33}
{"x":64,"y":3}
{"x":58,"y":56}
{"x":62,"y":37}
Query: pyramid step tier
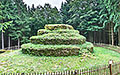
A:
{"x":44,"y":31}
{"x":58,"y":40}
{"x":58,"y":26}
{"x":55,"y":50}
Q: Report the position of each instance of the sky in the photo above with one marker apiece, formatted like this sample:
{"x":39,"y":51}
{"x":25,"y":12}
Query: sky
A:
{"x":53,"y":3}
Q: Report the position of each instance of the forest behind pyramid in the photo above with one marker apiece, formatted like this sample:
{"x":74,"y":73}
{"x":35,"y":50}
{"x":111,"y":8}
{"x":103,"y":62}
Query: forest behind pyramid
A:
{"x":57,"y":40}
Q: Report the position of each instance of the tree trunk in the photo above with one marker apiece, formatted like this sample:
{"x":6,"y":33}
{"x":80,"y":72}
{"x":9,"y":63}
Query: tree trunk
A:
{"x":109,"y":34}
{"x":91,"y":36}
{"x":99,"y":36}
{"x":119,"y":36}
{"x":94,"y":37}
{"x":104,"y":36}
{"x":18,"y":42}
{"x":9,"y":42}
{"x":112,"y":34}
{"x":2,"y":40}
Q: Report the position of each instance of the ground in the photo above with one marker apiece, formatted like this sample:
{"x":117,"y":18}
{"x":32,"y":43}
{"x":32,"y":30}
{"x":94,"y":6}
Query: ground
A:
{"x":15,"y":61}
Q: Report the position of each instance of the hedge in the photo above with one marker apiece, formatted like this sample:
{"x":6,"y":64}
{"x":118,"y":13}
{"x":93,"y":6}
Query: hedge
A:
{"x":44,"y":31}
{"x":58,"y":40}
{"x":58,"y":26}
{"x":52,"y":50}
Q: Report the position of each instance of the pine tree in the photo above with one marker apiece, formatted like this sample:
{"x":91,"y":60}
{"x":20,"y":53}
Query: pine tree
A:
{"x":109,"y":15}
{"x":92,"y":15}
{"x":65,"y":15}
{"x":20,"y":29}
{"x":5,"y":18}
{"x":41,"y":16}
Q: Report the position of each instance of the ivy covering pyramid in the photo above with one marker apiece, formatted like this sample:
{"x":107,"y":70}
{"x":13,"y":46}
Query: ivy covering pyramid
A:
{"x":57,"y":40}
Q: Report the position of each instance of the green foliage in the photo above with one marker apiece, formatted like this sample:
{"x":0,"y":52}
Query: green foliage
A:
{"x":58,"y":26}
{"x":57,"y":40}
{"x":89,"y":46}
{"x":25,"y":40}
{"x":109,"y":13}
{"x":83,"y":15}
{"x":55,"y":50}
{"x":4,"y":17}
{"x":50,"y":50}
{"x":65,"y":15}
{"x":4,"y":26}
{"x":52,"y":37}
{"x":91,"y":15}
{"x":41,"y":16}
{"x":20,"y":29}
{"x":60,"y":31}
{"x":43,"y":31}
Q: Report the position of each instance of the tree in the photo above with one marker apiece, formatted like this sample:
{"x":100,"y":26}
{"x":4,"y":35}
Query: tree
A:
{"x":65,"y":15}
{"x":41,"y":16}
{"x":5,"y":19}
{"x":20,"y":29}
{"x":109,"y":15}
{"x":93,"y":15}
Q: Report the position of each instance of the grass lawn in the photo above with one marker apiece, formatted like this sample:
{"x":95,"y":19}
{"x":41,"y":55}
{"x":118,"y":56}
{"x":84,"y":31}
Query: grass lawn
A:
{"x":15,"y":61}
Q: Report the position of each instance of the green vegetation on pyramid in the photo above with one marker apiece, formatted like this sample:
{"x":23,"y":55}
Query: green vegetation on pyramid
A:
{"x":58,"y":26}
{"x":57,"y":40}
{"x":56,"y":50}
{"x":45,"y":31}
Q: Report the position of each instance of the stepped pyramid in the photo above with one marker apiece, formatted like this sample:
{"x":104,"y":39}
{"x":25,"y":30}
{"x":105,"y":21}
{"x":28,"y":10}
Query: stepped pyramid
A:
{"x":57,"y":40}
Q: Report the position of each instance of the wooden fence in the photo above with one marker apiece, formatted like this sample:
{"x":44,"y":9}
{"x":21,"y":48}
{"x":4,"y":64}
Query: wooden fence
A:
{"x":108,"y":46}
{"x":12,"y":48}
{"x":110,"y":69}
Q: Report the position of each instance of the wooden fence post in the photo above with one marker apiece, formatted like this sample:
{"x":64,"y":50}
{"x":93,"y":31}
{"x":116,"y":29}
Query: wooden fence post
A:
{"x":75,"y":72}
{"x":119,"y":67}
{"x":110,"y":66}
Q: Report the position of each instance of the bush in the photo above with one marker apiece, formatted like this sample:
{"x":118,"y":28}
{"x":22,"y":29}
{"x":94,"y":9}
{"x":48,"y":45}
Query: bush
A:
{"x":58,"y":26}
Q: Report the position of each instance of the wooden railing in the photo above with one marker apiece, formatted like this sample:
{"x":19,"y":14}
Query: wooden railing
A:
{"x":12,"y":48}
{"x":110,"y":69}
{"x":108,"y":46}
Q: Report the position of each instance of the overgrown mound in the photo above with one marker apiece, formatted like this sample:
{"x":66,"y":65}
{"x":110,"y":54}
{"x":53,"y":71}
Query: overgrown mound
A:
{"x":57,"y":40}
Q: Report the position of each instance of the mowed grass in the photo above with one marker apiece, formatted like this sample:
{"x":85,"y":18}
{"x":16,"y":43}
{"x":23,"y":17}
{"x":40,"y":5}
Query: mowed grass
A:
{"x":15,"y":61}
